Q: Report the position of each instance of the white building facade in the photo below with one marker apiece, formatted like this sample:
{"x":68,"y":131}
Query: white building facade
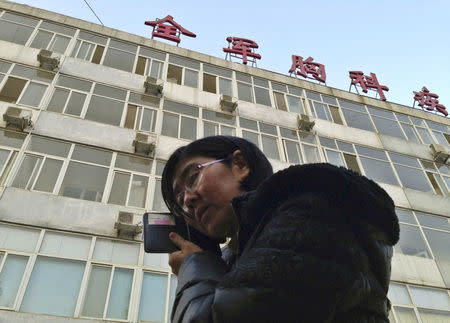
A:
{"x":66,"y":174}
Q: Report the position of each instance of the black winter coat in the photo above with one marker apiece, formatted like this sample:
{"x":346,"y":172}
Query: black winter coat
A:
{"x":314,"y":245}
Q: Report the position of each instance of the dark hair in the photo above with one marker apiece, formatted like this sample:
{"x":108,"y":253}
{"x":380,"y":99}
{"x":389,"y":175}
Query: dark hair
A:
{"x":217,"y":147}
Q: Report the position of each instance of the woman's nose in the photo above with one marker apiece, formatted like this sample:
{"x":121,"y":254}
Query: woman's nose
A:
{"x":190,"y":198}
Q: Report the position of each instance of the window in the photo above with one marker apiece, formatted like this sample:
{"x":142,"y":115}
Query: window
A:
{"x":53,"y":37}
{"x":25,"y":86}
{"x":386,"y":123}
{"x":69,"y":96}
{"x":376,"y":165}
{"x":150,"y":62}
{"x":356,"y":115}
{"x":410,"y":173}
{"x":89,"y":47}
{"x":86,"y":174}
{"x":287,"y":98}
{"x":153,"y":297}
{"x":53,"y":286}
{"x":216,"y":123}
{"x":106,"y":105}
{"x":247,"y":85}
{"x":108,"y":295}
{"x":12,"y":268}
{"x":179,"y":124}
{"x":158,"y":201}
{"x":16,"y":28}
{"x":440,"y":132}
{"x":217,"y":80}
{"x":183,"y":71}
{"x":263,"y":135}
{"x":130,"y":182}
{"x":10,"y":143}
{"x":411,"y":242}
{"x":120,"y":55}
{"x":439,"y":242}
{"x":139,"y":116}
{"x":340,"y":153}
{"x":291,"y":145}
{"x":324,"y":107}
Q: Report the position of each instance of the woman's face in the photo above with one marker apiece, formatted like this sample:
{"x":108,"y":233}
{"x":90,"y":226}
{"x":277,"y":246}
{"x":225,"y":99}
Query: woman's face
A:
{"x":209,"y":202}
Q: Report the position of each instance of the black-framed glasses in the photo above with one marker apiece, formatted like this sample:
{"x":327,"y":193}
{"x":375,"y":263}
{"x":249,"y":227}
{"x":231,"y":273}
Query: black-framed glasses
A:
{"x":191,"y":180}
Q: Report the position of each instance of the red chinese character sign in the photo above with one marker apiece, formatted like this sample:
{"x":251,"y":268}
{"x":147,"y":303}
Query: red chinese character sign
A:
{"x":308,"y":67}
{"x":242,"y":48}
{"x":367,"y":82}
{"x":429,"y":101}
{"x":167,"y":28}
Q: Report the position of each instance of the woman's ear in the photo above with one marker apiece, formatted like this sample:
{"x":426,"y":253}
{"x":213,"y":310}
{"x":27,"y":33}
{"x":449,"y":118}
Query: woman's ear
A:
{"x":239,"y":165}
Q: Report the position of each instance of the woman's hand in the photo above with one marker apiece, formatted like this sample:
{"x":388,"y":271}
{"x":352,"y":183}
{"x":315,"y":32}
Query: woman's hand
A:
{"x":176,"y":258}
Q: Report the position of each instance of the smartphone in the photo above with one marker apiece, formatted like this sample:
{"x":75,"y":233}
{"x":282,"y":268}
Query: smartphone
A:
{"x":158,"y":225}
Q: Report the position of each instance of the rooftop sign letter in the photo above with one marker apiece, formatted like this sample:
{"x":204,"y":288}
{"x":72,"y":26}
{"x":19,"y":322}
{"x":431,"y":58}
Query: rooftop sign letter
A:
{"x":242,"y":48}
{"x":167,"y":28}
{"x":367,"y":82}
{"x":304,"y":67}
{"x":429,"y":101}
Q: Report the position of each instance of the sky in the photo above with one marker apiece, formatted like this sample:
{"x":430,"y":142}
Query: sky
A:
{"x":405,"y":42}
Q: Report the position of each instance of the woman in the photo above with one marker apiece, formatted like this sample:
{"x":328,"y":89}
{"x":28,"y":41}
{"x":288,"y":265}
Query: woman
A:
{"x":311,"y":243}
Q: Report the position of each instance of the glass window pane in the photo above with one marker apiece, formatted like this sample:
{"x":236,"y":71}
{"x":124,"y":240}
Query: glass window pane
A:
{"x":424,"y":135}
{"x":170,"y":125}
{"x":58,"y":28}
{"x":48,"y":175}
{"x":138,"y":191}
{"x":335,"y":114}
{"x":352,"y":105}
{"x":158,"y":201}
{"x":209,"y":83}
{"x":262,"y":96}
{"x":110,"y":92}
{"x":398,"y":294}
{"x":11,"y":89}
{"x":405,"y":314}
{"x":134,"y":163}
{"x":181,"y":108}
{"x":190,"y":78}
{"x":48,"y":146}
{"x":345,"y":147}
{"x":280,"y":101}
{"x":411,"y":242}
{"x":119,"y":298}
{"x":357,"y":120}
{"x":116,"y":251}
{"x":410,"y":133}
{"x":174,"y":74}
{"x":53,"y":287}
{"x":105,"y":110}
{"x":153,"y":297}
{"x":267,"y":128}
{"x":42,"y":39}
{"x":432,"y":221}
{"x":85,"y":182}
{"x":186,"y":62}
{"x":4,"y":154}
{"x":250,"y":136}
{"x":270,"y":147}
{"x":249,"y":124}
{"x":405,"y":216}
{"x":322,"y":111}
{"x":295,"y":104}
{"x":97,"y":291}
{"x":225,"y":86}
{"x":378,"y":170}
{"x":432,"y":316}
{"x":119,"y":189}
{"x":188,"y":128}
{"x":439,"y":242}
{"x":75,"y":104}
{"x":334,"y":158}
{"x":92,"y":155}
{"x":119,"y":59}
{"x":369,"y":152}
{"x":58,"y":100}
{"x":59,"y":44}
{"x":352,"y":163}
{"x":74,"y":83}
{"x":148,"y":120}
{"x":404,"y":160}
{"x":219,"y":117}
{"x":311,"y":154}
{"x":172,"y":291}
{"x":18,"y":238}
{"x":428,"y":297}
{"x":245,"y":92}
{"x":33,"y":73}
{"x":65,"y":245}
{"x":10,"y":278}
{"x":227,"y":131}
{"x":156,"y":70}
{"x":210,"y":129}
{"x":27,"y":172}
{"x":313,"y":95}
{"x":293,"y":152}
{"x":14,"y":33}
{"x":413,"y":178}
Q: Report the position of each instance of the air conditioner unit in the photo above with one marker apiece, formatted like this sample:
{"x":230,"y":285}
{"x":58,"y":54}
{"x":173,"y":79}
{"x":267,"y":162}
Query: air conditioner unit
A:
{"x":228,"y":103}
{"x":153,"y":86}
{"x":17,"y":118}
{"x":144,"y":143}
{"x":304,"y":122}
{"x":125,"y":227}
{"x":441,"y":154}
{"x":47,"y":62}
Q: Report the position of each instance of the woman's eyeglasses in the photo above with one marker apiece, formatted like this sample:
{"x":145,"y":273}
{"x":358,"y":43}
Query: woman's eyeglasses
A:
{"x":191,"y":177}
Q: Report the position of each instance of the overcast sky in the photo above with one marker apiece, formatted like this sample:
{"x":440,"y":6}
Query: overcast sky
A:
{"x":405,"y":42}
